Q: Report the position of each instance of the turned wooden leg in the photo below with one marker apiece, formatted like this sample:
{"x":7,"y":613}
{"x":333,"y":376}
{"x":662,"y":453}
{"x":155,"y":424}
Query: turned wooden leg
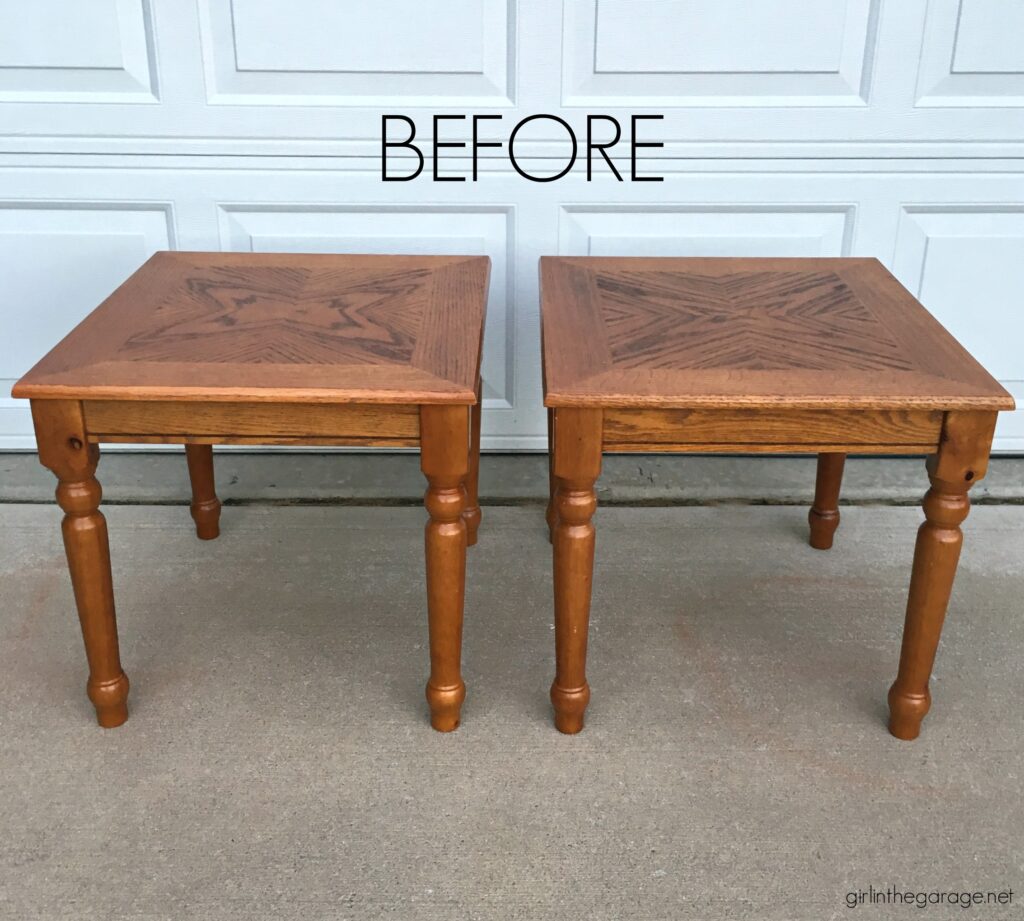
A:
{"x":64,"y":449}
{"x":471,"y":514}
{"x":444,"y":459}
{"x":205,"y":504}
{"x":552,"y":512}
{"x":824,"y":514}
{"x":577,"y":465}
{"x":960,"y":462}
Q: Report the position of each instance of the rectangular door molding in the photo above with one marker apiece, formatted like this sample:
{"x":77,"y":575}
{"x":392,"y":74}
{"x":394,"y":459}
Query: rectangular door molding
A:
{"x":789,"y":78}
{"x":730,"y":53}
{"x":889,"y":128}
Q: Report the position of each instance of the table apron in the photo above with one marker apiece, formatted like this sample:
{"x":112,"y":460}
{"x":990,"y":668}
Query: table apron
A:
{"x":187,"y":422}
{"x":772,"y":431}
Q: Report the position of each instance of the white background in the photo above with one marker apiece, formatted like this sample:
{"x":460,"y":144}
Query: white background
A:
{"x":892,"y":128}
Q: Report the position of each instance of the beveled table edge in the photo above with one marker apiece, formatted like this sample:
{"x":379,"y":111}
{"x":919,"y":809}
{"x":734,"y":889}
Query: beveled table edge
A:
{"x":728,"y":401}
{"x":455,"y":396}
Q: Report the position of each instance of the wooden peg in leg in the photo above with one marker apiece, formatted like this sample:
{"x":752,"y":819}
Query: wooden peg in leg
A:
{"x":962,"y":460}
{"x":64,"y":449}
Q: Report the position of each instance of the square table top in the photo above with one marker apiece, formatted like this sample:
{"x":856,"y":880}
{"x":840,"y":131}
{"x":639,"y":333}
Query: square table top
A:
{"x":829,"y":333}
{"x":278,"y":327}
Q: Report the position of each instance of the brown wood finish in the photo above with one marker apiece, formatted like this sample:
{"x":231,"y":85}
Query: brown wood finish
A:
{"x":771,"y":447}
{"x":471,"y":514}
{"x":804,"y":430}
{"x":397,"y":426}
{"x":825,"y":356}
{"x":259,"y":348}
{"x":961,"y":460}
{"x":551,"y":515}
{"x":577,"y":467}
{"x":349,"y":441}
{"x":824,"y":514}
{"x":205,"y":504}
{"x":64,"y":449}
{"x":294,"y":328}
{"x":444,"y":459}
{"x":747,"y":333}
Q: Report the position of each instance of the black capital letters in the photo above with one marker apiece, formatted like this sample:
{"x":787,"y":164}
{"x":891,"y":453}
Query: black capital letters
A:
{"x":439,"y":144}
{"x":477,"y":143}
{"x":636,"y":144}
{"x":385,"y":144}
{"x":602,"y":148}
{"x":512,"y":154}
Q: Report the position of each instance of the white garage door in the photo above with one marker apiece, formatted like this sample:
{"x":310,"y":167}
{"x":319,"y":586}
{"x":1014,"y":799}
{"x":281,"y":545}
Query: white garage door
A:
{"x":892,"y":128}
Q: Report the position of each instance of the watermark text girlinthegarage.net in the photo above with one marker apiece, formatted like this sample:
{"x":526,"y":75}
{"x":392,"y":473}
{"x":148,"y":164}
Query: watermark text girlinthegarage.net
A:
{"x":928,"y":898}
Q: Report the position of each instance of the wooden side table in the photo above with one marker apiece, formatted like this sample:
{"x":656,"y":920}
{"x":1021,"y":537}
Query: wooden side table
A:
{"x":241,"y":348}
{"x":824,"y":356}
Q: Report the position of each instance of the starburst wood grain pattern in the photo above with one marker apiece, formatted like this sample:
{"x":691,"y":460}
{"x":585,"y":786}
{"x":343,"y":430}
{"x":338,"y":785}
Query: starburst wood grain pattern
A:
{"x":810,"y":333}
{"x":219,"y":348}
{"x":824,"y":356}
{"x":257,"y":326}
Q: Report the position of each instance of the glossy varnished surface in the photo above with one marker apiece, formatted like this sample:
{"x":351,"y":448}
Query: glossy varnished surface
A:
{"x":694,"y":332}
{"x":215,"y":348}
{"x":278,"y":327}
{"x":828,"y":356}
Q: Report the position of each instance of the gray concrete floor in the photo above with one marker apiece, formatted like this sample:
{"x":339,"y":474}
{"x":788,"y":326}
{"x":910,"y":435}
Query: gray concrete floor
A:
{"x":278,"y":761}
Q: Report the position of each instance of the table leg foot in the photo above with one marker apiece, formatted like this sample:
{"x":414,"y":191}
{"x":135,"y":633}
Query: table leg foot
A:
{"x":577,"y":466}
{"x":906,"y":712}
{"x":444,"y":459}
{"x":445,"y":706}
{"x":64,"y":449}
{"x":570,"y":704}
{"x":960,"y":462}
{"x":205,"y":504}
{"x":935,"y":559}
{"x":824,"y":514}
{"x":110,"y":698}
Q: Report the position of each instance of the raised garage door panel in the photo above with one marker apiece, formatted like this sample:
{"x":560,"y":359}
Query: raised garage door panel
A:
{"x":55,"y":51}
{"x":261,"y":52}
{"x":794,"y":52}
{"x":832,"y":127}
{"x":973,"y":54}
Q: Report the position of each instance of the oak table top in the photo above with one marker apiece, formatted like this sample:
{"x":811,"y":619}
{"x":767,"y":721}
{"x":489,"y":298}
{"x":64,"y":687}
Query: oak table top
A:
{"x":823,"y":356}
{"x":837,"y":333}
{"x":269,"y":348}
{"x":278,"y":327}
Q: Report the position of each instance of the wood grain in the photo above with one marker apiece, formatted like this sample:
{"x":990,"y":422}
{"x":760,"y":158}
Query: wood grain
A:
{"x":675,"y":428}
{"x":765,"y":320}
{"x":227,"y":348}
{"x":348,"y":441}
{"x":444,"y":459}
{"x":471,"y":513}
{"x":824,"y":356}
{"x":551,"y":514}
{"x":63,"y":448}
{"x":577,"y":466}
{"x":396,"y":423}
{"x":737,"y":333}
{"x":278,"y":327}
{"x":961,"y":461}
